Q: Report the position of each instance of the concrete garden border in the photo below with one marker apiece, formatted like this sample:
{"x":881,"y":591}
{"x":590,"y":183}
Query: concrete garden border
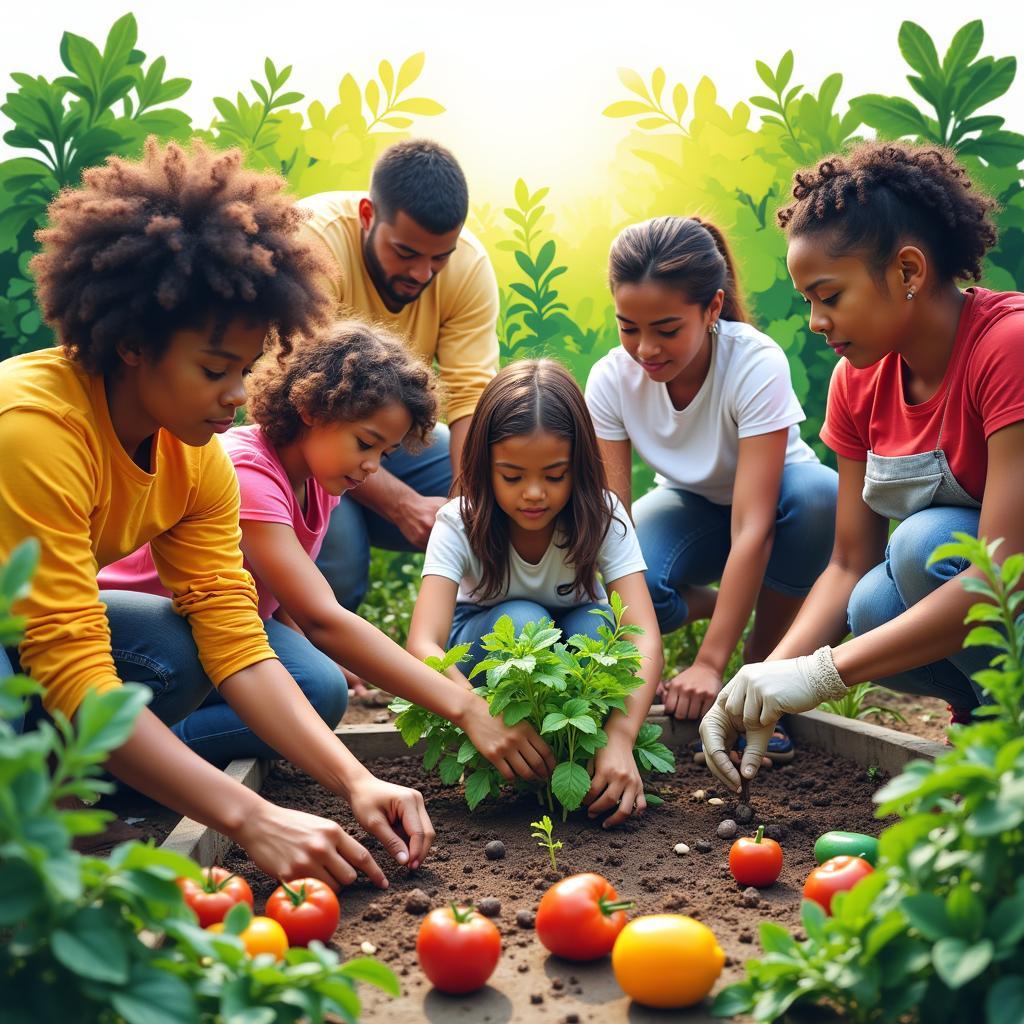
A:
{"x":861,"y":742}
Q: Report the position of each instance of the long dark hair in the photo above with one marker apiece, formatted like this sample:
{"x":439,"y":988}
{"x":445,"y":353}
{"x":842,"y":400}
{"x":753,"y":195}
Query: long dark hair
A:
{"x":526,"y":396}
{"x":685,"y":253}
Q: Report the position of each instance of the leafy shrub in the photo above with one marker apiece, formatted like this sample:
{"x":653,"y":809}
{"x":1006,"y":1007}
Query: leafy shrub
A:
{"x":855,"y":705}
{"x":936,"y":933}
{"x":564,"y":690}
{"x":111,"y":941}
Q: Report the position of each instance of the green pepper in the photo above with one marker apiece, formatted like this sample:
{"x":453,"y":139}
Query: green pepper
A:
{"x":851,"y":844}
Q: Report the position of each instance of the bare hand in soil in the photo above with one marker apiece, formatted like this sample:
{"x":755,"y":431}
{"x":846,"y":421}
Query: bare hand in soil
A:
{"x":397,"y":816}
{"x":691,"y":693}
{"x":616,"y":781}
{"x":513,"y":750}
{"x":293,"y":844}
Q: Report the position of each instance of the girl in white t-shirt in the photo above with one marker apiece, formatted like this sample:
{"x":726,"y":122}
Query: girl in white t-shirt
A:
{"x":533,"y":527}
{"x":706,"y":401}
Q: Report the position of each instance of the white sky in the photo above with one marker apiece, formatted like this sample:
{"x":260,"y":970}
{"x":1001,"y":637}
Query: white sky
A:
{"x":524,"y":83}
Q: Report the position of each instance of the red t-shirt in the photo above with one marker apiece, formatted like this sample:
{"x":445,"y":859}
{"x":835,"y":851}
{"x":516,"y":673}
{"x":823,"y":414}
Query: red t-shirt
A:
{"x":982,"y":392}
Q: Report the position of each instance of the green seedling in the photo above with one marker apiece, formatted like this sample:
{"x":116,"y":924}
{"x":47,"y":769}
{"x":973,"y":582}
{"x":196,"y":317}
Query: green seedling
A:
{"x":544,"y":829}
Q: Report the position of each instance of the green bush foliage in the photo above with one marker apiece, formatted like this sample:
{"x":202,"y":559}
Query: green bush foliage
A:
{"x":111,"y":940}
{"x":564,"y":690}
{"x":936,"y":934}
{"x":684,"y":153}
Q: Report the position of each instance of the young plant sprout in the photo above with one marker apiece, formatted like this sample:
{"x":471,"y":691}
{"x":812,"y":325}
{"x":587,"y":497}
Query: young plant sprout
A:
{"x":544,"y":827}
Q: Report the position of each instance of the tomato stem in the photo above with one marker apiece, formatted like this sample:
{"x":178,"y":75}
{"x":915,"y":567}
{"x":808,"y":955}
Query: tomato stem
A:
{"x":462,"y":915}
{"x":209,"y":885}
{"x":609,"y":907}
{"x":298,"y":897}
{"x":760,"y":834}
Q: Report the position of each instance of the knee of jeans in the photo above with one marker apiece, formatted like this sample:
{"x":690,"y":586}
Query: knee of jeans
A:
{"x":810,"y":514}
{"x":669,"y":607}
{"x":863,"y":613}
{"x":326,"y":689}
{"x":910,"y":547}
{"x":521,"y":612}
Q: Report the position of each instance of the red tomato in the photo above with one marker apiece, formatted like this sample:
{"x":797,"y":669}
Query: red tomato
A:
{"x":580,"y":917}
{"x":837,"y":874}
{"x":307,"y":909}
{"x":458,"y":948}
{"x":756,"y":861}
{"x":219,"y":892}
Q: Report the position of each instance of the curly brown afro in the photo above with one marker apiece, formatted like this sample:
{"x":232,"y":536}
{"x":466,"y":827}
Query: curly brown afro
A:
{"x":178,"y":239}
{"x":347,"y":374}
{"x":883,"y":194}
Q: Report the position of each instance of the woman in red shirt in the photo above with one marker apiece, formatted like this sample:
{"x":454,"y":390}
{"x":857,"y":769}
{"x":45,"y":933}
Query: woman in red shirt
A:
{"x":926,"y":417}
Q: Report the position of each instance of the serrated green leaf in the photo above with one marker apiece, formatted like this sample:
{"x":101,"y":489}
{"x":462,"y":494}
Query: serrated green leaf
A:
{"x":570,"y":783}
{"x":478,"y":786}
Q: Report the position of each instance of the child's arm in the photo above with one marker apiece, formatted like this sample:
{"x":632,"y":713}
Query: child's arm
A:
{"x":755,"y":500}
{"x":616,"y":777}
{"x":617,"y":457}
{"x":282,"y":564}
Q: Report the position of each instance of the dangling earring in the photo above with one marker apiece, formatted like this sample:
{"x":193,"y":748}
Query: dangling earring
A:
{"x":713,"y":329}
{"x":910,"y":293}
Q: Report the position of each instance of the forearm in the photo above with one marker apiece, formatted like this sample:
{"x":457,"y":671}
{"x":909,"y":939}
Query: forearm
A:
{"x":931,"y":630}
{"x":270,"y":702}
{"x":741,"y":581}
{"x":155,"y":762}
{"x":355,"y":643}
{"x":822,"y":619}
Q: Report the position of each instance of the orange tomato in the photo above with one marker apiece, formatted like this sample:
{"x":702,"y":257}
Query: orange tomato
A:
{"x":261,"y":935}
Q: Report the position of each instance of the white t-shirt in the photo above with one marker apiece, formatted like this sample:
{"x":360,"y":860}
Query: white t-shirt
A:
{"x":748,"y":391}
{"x":449,"y":555}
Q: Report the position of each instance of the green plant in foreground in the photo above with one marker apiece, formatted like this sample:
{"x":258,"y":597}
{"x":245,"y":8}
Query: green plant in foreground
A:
{"x":854,"y":705}
{"x":564,"y":690}
{"x":547,"y":841}
{"x":936,"y":933}
{"x":111,"y":941}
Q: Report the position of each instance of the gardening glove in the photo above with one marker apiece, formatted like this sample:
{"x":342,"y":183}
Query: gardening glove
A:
{"x":755,"y":699}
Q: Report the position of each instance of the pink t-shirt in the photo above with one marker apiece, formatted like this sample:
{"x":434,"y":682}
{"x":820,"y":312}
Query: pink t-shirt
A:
{"x":267,"y":497}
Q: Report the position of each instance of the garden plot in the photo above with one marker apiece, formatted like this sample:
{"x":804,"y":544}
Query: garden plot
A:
{"x":829,"y":786}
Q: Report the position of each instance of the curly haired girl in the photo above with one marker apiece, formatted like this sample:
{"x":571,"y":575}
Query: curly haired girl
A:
{"x":926,"y":417}
{"x":325,"y":416}
{"x":163,"y":277}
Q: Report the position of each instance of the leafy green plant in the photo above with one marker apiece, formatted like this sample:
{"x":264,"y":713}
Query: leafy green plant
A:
{"x":564,"y":690}
{"x":111,"y":941}
{"x":936,"y":933}
{"x":544,"y":833}
{"x":955,"y":88}
{"x":854,"y":705}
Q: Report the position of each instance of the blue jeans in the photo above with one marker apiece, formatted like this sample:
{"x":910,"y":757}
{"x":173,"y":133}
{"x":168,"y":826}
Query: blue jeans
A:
{"x":686,"y":539}
{"x":154,"y":646}
{"x":901,"y":581}
{"x":473,"y":621}
{"x":344,"y":558}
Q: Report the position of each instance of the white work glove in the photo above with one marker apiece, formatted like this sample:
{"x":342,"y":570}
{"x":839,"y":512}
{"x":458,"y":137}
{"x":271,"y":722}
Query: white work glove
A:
{"x":755,"y":699}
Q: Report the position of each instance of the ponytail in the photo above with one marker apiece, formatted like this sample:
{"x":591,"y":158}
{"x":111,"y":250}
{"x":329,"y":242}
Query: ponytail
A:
{"x":685,"y":253}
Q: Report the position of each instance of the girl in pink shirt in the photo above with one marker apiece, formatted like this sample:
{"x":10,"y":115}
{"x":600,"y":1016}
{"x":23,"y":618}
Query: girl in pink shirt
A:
{"x":325,"y":416}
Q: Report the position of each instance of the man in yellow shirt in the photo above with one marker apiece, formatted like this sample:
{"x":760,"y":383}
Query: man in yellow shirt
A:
{"x":403,"y":258}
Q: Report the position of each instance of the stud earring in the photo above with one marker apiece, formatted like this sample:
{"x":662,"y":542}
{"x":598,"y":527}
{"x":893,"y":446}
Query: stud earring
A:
{"x":910,"y":294}
{"x":713,"y":329}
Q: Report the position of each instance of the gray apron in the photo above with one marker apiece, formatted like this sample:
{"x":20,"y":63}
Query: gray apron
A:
{"x":898,"y":486}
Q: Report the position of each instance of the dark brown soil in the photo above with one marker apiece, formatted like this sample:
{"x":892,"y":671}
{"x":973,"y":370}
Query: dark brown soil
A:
{"x":927,"y":717}
{"x":798,"y":802}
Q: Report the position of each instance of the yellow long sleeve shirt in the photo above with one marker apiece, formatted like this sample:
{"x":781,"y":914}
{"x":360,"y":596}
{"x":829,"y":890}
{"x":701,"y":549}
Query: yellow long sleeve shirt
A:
{"x":66,"y":480}
{"x":453,"y":321}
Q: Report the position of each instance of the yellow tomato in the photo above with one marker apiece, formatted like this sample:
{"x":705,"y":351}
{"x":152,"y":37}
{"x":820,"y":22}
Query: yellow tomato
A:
{"x":667,"y":960}
{"x":262,"y":935}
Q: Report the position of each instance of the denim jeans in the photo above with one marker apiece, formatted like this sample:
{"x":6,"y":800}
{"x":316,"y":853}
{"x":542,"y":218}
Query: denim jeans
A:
{"x":154,"y":646}
{"x":901,"y":581}
{"x":685,"y":538}
{"x":473,"y":621}
{"x":344,"y":558}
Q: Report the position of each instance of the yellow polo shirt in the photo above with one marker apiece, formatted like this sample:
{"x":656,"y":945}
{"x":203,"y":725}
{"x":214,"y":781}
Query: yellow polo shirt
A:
{"x":66,"y":480}
{"x":454,"y":319}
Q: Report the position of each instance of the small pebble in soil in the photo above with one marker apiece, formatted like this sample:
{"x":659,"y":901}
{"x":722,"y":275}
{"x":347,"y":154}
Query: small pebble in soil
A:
{"x":523,"y":968}
{"x":681,"y":848}
{"x":525,"y":918}
{"x":417,"y":902}
{"x":489,"y":906}
{"x":374,"y":912}
{"x":557,"y":983}
{"x":572,"y":1018}
{"x":751,"y":897}
{"x":536,"y":998}
{"x":716,"y":801}
{"x":467,"y":869}
{"x":494,"y":850}
{"x":744,"y":814}
{"x":746,"y":938}
{"x":775,"y":832}
{"x":702,"y":846}
{"x":698,"y":794}
{"x":367,"y":948}
{"x":727,"y":829}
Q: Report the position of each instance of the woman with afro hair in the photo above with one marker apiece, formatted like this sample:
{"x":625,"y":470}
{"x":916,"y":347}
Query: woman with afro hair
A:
{"x":926,"y":417}
{"x":163,"y":279}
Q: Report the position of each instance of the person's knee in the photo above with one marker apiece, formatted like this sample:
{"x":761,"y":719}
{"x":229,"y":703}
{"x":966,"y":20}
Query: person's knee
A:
{"x":326,"y":689}
{"x":522,"y":612}
{"x":910,"y":547}
{"x":808,"y":510}
{"x":864,"y":612}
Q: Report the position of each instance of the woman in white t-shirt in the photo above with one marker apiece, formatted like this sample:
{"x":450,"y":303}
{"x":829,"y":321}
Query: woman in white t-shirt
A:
{"x":533,"y":528}
{"x":707,"y":402}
